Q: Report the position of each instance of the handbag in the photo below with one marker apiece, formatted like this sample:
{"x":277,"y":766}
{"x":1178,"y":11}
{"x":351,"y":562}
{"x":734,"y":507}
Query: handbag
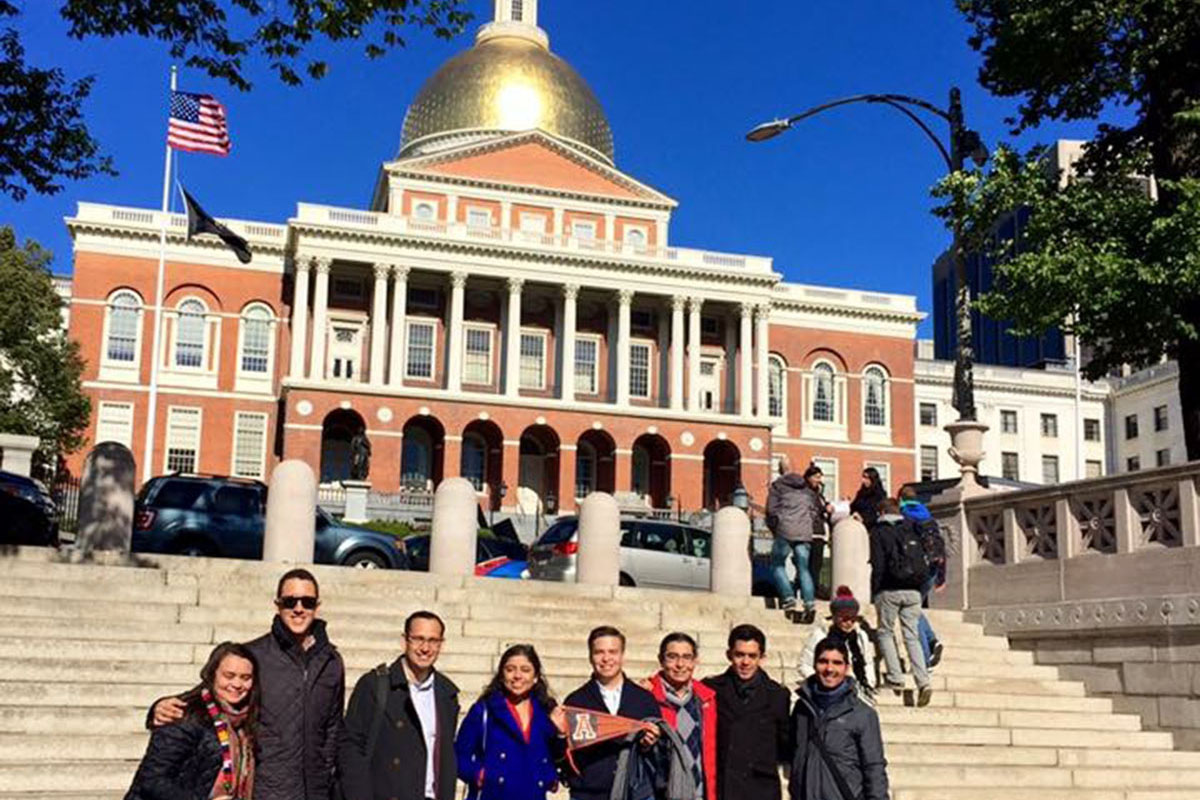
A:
{"x":838,"y":779}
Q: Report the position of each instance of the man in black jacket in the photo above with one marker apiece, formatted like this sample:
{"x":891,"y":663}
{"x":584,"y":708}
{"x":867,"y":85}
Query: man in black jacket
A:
{"x":899,"y":568}
{"x":753,"y":736}
{"x":303,"y":683}
{"x":609,"y":692}
{"x":403,"y":748}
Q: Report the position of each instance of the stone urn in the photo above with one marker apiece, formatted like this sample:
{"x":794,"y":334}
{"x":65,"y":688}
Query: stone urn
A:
{"x":966,"y":448}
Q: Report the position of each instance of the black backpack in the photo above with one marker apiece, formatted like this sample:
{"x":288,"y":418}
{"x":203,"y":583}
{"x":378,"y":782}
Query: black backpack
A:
{"x":908,"y":561}
{"x":931,"y":535}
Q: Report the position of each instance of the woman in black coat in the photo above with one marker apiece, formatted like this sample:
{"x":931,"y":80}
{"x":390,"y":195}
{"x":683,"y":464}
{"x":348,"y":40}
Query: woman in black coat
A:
{"x":866,"y":503}
{"x":209,"y":754}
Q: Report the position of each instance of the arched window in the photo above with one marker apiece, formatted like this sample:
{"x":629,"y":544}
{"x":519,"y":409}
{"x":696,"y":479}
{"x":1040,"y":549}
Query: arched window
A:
{"x":776,"y":399}
{"x":256,"y":339}
{"x":585,"y":469}
{"x":823,"y":401}
{"x":474,"y":460}
{"x":189,"y":335}
{"x":641,"y":470}
{"x":416,"y":460}
{"x":875,"y":391}
{"x":124,"y":316}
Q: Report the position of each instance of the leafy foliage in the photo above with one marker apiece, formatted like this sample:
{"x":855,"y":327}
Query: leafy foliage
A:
{"x":40,"y":368}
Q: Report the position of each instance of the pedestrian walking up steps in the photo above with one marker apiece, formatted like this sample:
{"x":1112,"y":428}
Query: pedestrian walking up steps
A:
{"x":84,"y":648}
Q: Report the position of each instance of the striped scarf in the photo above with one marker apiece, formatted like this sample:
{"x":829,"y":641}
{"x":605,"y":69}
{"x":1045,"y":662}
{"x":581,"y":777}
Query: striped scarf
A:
{"x":688,"y":723}
{"x":235,"y":778}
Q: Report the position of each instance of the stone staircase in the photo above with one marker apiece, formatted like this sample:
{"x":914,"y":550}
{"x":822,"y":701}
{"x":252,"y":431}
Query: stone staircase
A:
{"x":85,"y":648}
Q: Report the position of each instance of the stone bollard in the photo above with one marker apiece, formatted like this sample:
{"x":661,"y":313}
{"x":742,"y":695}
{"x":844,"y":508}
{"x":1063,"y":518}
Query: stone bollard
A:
{"x":455,"y":526}
{"x":106,"y":500}
{"x":599,"y":559}
{"x":16,"y":453}
{"x":731,"y":568}
{"x":291,"y":514}
{"x":852,"y":558}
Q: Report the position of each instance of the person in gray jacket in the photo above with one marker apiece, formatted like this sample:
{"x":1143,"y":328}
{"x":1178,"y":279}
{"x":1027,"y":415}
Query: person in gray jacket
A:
{"x":796,"y":513}
{"x":839,"y":747}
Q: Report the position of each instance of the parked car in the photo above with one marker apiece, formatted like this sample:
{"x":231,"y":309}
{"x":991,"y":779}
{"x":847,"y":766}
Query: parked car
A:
{"x":28,"y":511}
{"x":495,"y":556}
{"x":224,"y":517}
{"x":654,"y":553}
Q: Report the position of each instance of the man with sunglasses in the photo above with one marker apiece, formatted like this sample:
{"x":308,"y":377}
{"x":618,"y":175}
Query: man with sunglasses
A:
{"x":303,"y":684}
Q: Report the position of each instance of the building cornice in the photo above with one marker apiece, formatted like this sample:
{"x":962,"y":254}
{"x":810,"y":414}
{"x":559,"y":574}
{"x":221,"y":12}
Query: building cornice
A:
{"x":936,"y":373}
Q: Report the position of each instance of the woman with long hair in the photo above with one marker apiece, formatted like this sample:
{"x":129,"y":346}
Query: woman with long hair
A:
{"x":506,"y":746}
{"x":209,"y":754}
{"x":866,"y":502}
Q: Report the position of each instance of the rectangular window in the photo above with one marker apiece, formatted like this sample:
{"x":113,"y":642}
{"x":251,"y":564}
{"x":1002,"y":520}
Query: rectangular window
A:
{"x":1049,"y":470}
{"x":533,"y":360}
{"x":249,"y":444}
{"x":1133,"y":464}
{"x":1162,"y":457}
{"x":1050,"y":426}
{"x":639,"y":370}
{"x":1160,"y":418}
{"x":709,"y":326}
{"x":424,"y":299}
{"x":1131,"y":426}
{"x":533,"y":223}
{"x":583,"y":229}
{"x":587,"y":357}
{"x":183,"y":439}
{"x":929,"y":413}
{"x":929,"y":463}
{"x":1010,"y":466}
{"x":1093,"y":469}
{"x":477,"y":355}
{"x":1091,"y":430}
{"x":114,"y":423}
{"x":479,"y":218}
{"x":1008,"y":421}
{"x":420,"y":362}
{"x":829,"y":468}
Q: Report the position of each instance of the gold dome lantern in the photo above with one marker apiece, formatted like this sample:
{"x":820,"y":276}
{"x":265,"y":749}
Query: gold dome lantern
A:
{"x":508,"y":82}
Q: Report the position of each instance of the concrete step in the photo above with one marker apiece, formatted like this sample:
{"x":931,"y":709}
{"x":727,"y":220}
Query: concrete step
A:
{"x":114,"y":589}
{"x":1173,"y":778}
{"x":99,"y":610}
{"x":138,"y":672}
{"x":104,"y":694}
{"x":115,"y":630}
{"x":94,"y":776}
{"x":1022,"y":777}
{"x":1117,"y":740}
{"x":70,"y":720}
{"x":25,"y":748}
{"x":1129,"y":759}
{"x":1007,"y":793}
{"x":971,"y":755}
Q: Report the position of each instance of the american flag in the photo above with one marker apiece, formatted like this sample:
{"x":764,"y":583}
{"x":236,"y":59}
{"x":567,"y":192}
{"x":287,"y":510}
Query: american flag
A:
{"x":198,"y":124}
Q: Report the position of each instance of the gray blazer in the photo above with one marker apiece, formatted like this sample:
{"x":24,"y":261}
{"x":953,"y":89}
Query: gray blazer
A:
{"x":850,"y":731}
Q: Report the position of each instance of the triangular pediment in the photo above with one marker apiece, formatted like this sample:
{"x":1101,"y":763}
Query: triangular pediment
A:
{"x":532,"y":160}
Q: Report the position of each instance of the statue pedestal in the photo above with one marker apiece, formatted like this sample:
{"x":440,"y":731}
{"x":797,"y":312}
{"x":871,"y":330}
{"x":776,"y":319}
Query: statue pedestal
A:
{"x":356,"y":500}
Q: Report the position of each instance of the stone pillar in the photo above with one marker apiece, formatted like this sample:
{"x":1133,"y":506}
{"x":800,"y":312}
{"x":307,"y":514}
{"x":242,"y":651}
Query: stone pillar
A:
{"x":299,"y":318}
{"x":851,"y":558}
{"x":106,"y":499}
{"x":17,"y":452}
{"x":512,"y":336}
{"x":291,"y":514}
{"x":599,"y":559}
{"x":730,"y":563}
{"x":316,"y":366}
{"x":762,"y":353}
{"x":745,"y":363}
{"x":1014,"y":537}
{"x":1069,"y":538}
{"x":452,"y":543}
{"x":693,"y":391}
{"x":357,"y":493}
{"x":624,"y":303}
{"x":379,"y":323}
{"x":454,"y":347}
{"x":678,"y":346}
{"x":1189,"y":512}
{"x":399,"y":310}
{"x":567,"y":383}
{"x":1128,"y":526}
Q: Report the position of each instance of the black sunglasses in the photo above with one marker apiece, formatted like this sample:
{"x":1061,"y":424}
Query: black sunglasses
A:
{"x":307,"y":601}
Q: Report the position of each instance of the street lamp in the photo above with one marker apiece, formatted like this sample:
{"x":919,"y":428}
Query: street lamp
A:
{"x":966,"y":433}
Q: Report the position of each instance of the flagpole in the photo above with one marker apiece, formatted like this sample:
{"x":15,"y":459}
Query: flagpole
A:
{"x":155,"y":352}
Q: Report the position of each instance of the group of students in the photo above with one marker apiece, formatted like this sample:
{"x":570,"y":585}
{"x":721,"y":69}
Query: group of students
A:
{"x":266,"y":723}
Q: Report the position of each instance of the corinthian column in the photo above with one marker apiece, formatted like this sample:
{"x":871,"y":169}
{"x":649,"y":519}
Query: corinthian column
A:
{"x":694,"y":305}
{"x":316,"y":366}
{"x":299,"y":317}
{"x":458,"y":280}
{"x":745,"y":364}
{"x":379,"y":323}
{"x":512,"y":357}
{"x":399,"y":309}
{"x":624,"y":303}
{"x":677,"y":349}
{"x":570,"y":296}
{"x":763,"y":350}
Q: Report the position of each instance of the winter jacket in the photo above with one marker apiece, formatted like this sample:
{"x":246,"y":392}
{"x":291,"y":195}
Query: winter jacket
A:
{"x":795,"y":511}
{"x":181,"y":762}
{"x":866,"y":505}
{"x":886,"y":540}
{"x":865,"y":646}
{"x":708,"y":726}
{"x":753,"y":736}
{"x":850,"y":730}
{"x":491,"y":746}
{"x":597,"y":764}
{"x":396,"y":768}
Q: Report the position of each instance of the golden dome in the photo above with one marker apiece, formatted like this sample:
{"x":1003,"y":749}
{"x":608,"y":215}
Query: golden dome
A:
{"x":506,"y":84}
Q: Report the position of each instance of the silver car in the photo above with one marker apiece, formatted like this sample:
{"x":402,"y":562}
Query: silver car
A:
{"x":665,"y":555}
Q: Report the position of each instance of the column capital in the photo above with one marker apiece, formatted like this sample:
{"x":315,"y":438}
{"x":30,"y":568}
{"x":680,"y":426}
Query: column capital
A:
{"x":678,"y":302}
{"x":746,"y":310}
{"x":695,"y":303}
{"x":763,"y":311}
{"x":458,"y":279}
{"x":570,"y":291}
{"x":382,"y":270}
{"x":400,"y":271}
{"x":515,"y":285}
{"x":302,"y":262}
{"x":625,"y":296}
{"x":322,"y":265}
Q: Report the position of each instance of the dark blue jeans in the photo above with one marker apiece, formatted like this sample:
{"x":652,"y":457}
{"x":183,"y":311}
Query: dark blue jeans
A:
{"x":924,"y":629}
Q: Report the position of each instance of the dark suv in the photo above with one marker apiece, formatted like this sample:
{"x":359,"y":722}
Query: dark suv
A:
{"x":28,"y":510}
{"x":224,"y":517}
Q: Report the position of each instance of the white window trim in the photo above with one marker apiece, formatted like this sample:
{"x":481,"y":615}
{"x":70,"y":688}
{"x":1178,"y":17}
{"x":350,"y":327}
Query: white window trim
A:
{"x":409,"y":324}
{"x":596,"y":339}
{"x":474,"y":209}
{"x":1016,"y":414}
{"x":475,"y":435}
{"x":821,"y":429}
{"x":544,"y":335}
{"x":884,"y":469}
{"x":419,"y":204}
{"x":830,"y":490}
{"x":585,"y":224}
{"x":205,"y":375}
{"x":122,"y":371}
{"x":199,"y":435}
{"x":256,"y":382}
{"x":649,"y":344}
{"x":262,"y":458}
{"x":921,"y":451}
{"x":348,"y":319}
{"x":539,"y":229}
{"x":877,"y":434}
{"x":127,"y":440}
{"x":490,"y":330}
{"x":1042,"y":425}
{"x":934,"y":406}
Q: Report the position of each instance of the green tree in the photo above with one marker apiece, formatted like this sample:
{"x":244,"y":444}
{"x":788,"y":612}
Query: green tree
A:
{"x":44,"y":137}
{"x":40,"y":368}
{"x":1118,"y":264}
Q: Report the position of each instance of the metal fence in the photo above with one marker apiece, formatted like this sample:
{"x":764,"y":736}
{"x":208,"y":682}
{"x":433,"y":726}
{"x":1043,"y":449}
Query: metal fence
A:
{"x":66,"y":503}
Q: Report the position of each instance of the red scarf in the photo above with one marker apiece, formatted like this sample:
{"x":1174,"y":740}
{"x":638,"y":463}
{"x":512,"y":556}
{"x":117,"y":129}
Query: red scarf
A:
{"x":235,"y":778}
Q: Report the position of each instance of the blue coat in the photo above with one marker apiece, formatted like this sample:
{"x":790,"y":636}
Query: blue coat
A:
{"x":512,"y":769}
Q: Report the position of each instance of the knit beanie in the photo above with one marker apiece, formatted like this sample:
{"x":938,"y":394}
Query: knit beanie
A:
{"x":843,"y":602}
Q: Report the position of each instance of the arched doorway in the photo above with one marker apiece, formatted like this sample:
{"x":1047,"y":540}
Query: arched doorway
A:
{"x":482,"y":460}
{"x":537,"y":474}
{"x":652,"y":469}
{"x":722,"y":472}
{"x":421,"y":456}
{"x":595,"y":464}
{"x":338,"y":429}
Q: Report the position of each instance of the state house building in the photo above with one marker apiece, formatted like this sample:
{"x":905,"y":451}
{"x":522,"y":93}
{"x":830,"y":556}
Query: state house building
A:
{"x":511,"y":309}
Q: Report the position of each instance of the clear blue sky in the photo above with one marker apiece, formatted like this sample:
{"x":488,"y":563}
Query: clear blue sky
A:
{"x":841,"y":200}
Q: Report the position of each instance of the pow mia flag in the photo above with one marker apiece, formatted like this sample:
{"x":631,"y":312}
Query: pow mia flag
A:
{"x":199,"y":221}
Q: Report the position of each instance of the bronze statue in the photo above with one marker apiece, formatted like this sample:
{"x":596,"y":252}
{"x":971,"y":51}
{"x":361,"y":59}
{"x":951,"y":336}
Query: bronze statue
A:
{"x":360,"y":456}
